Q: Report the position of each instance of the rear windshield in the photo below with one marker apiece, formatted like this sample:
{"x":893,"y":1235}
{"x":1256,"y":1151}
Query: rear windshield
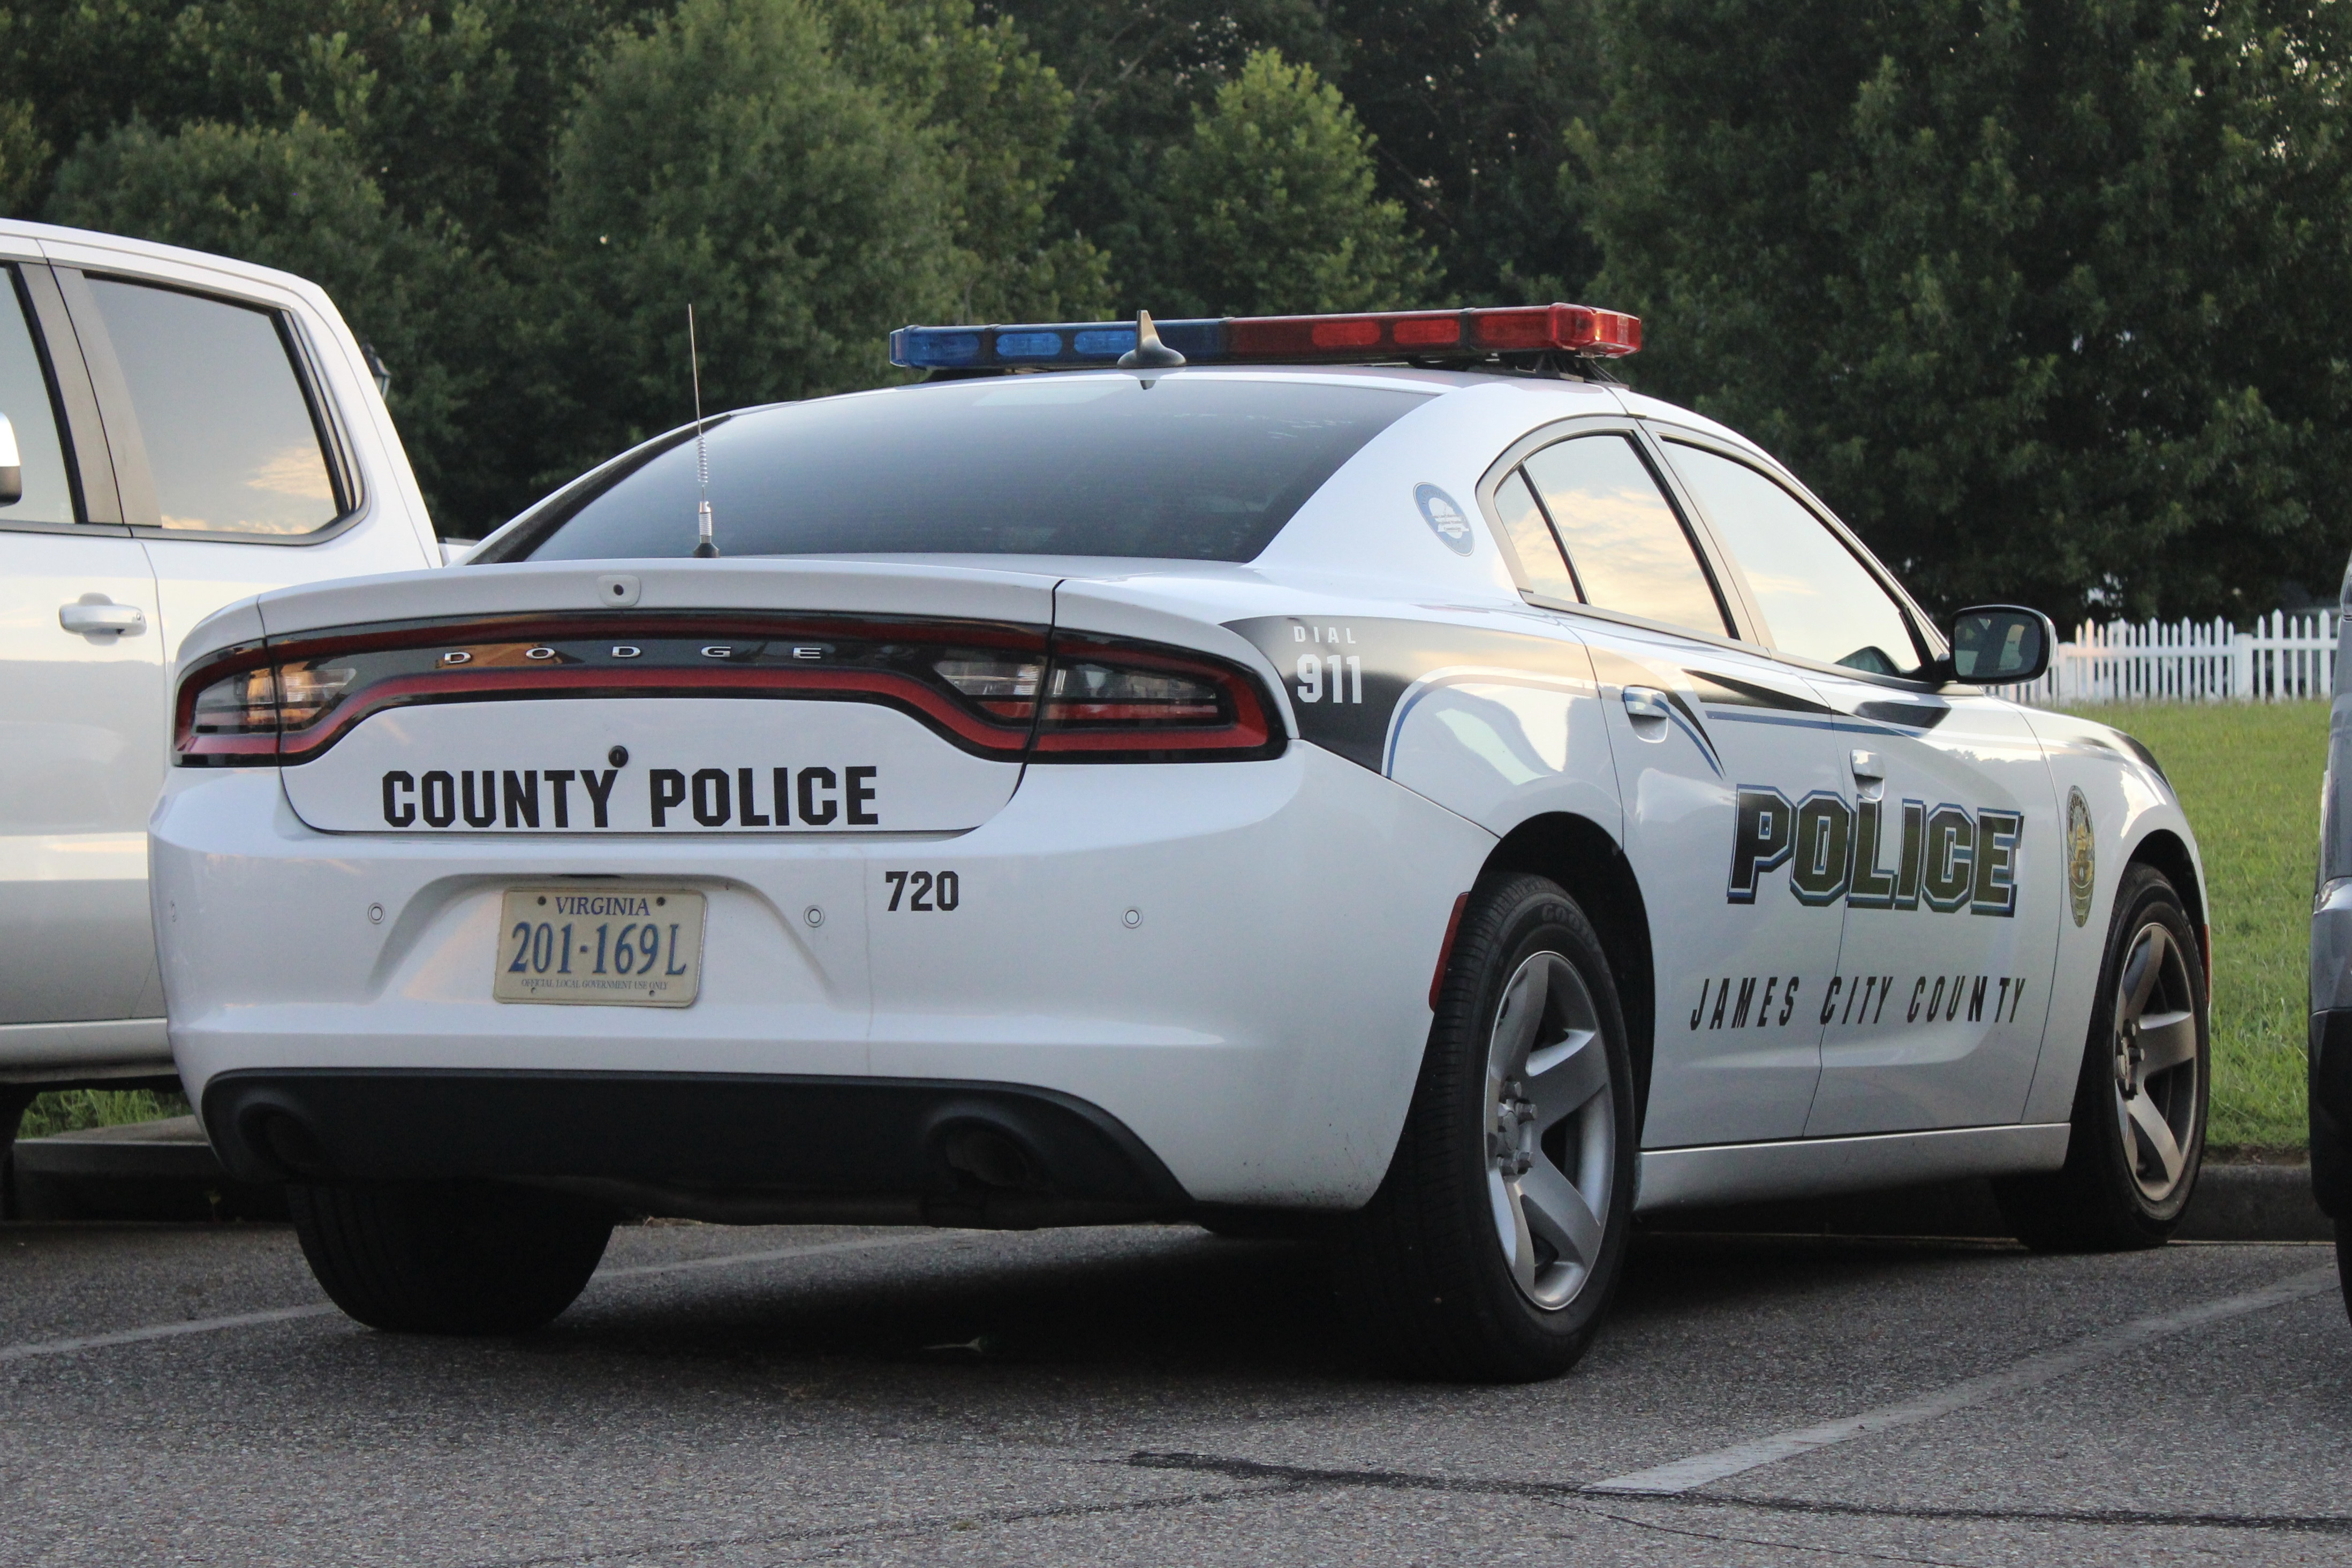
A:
{"x":1194,"y":468}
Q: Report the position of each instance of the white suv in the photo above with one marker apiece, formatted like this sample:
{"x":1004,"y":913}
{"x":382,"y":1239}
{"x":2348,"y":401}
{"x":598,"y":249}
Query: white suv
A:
{"x":189,"y":431}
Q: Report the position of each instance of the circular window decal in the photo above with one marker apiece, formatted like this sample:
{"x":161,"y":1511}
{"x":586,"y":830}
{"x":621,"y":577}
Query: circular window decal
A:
{"x":1445,"y":518}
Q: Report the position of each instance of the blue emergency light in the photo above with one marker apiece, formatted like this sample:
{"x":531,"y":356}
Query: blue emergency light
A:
{"x":1365,"y":338}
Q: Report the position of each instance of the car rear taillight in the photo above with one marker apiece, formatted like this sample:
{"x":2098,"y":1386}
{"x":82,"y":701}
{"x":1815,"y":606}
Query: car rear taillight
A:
{"x":1004,"y":692}
{"x":1115,"y":701}
{"x":1003,"y":683}
{"x":234,"y":706}
{"x":226,"y":714}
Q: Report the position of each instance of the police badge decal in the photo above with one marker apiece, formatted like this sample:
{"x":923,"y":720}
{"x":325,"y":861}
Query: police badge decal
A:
{"x":2081,"y":857}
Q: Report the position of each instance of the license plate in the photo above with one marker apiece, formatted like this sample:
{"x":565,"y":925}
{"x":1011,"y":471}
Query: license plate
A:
{"x":613,"y":947}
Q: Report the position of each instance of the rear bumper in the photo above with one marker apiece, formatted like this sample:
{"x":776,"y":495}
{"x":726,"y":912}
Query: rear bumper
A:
{"x":1231,"y":961}
{"x":705,"y":1147}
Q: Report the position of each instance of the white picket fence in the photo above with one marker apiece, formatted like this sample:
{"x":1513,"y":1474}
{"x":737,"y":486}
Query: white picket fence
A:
{"x":2285,"y":657}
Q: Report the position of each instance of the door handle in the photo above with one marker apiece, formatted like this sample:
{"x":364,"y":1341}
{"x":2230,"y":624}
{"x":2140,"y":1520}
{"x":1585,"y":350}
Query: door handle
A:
{"x":1869,"y":776}
{"x":91,"y":620}
{"x":1643,"y":703}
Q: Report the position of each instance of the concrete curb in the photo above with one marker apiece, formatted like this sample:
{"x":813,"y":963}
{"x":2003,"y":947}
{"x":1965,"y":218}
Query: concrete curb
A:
{"x":165,"y":1170}
{"x":145,"y":1170}
{"x":2255,"y":1202}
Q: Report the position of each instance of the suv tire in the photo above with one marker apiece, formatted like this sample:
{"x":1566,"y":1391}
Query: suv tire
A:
{"x":460,"y":1258}
{"x":1493,"y":1247}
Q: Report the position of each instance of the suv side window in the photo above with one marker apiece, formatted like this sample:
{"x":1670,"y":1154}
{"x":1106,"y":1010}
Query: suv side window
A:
{"x":1819,"y":601}
{"x":228,"y":431}
{"x":1628,"y":548}
{"x":25,"y":398}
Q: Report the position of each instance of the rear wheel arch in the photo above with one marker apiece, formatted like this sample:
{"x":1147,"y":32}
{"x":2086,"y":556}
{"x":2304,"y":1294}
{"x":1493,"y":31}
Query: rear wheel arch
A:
{"x":1586,"y":861}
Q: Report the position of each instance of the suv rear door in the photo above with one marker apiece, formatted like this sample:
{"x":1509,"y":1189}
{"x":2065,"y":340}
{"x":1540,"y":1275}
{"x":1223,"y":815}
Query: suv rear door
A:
{"x":81,"y":710}
{"x":215,"y":440}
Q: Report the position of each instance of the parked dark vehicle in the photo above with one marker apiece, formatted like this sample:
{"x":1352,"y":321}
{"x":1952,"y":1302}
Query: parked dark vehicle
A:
{"x":2331,"y":974}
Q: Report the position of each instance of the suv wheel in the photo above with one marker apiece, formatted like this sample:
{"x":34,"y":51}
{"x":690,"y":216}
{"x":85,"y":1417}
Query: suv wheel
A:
{"x":2141,"y":1103}
{"x":1494,"y":1244}
{"x":463,"y":1258}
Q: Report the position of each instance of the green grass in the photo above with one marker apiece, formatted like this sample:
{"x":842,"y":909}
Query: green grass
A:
{"x":2248,"y":776}
{"x":71,"y":1110}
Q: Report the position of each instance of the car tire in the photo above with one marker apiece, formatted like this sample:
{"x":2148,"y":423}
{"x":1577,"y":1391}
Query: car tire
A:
{"x":1493,"y":1246}
{"x":2344,"y":1261}
{"x":467,"y":1257}
{"x":2140,"y":1101}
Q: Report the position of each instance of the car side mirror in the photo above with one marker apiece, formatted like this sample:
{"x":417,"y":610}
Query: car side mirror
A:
{"x":12,"y":469}
{"x":2000,"y":644}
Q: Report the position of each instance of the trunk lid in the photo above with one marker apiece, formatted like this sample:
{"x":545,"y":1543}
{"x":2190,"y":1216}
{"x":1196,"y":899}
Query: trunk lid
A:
{"x":588,"y":697}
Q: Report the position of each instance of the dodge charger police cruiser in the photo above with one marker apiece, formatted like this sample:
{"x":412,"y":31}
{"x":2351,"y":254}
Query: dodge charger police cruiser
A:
{"x":1369,"y":773}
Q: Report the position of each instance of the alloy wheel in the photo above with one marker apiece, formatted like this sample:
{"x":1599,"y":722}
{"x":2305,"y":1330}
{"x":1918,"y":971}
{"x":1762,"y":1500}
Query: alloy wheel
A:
{"x":2156,"y":1065}
{"x":1550,"y":1130}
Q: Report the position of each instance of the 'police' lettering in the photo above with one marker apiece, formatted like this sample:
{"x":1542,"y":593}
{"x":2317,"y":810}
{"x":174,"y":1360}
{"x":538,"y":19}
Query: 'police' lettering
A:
{"x":669,"y":787}
{"x":1762,"y":838}
{"x":816,"y":813}
{"x":1824,"y":850}
{"x":1952,"y":857}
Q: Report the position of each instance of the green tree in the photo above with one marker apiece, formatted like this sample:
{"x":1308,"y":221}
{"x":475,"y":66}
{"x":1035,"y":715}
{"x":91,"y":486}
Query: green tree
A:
{"x":998,"y":119}
{"x":451,"y":108}
{"x":24,"y":157}
{"x":723,"y":158}
{"x":2050,"y":297}
{"x":298,"y":200}
{"x":1137,"y":70}
{"x":1268,"y":208}
{"x":1466,"y":101}
{"x":445,"y":116}
{"x":1470,"y":102}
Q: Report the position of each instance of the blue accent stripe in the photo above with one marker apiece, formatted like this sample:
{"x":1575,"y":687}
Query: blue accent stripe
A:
{"x":1698,"y":740}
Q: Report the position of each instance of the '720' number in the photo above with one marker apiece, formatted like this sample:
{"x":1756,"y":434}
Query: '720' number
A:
{"x":924,"y":891}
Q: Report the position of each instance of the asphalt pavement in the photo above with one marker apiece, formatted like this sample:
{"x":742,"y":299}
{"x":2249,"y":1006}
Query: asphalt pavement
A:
{"x":1161,"y":1397}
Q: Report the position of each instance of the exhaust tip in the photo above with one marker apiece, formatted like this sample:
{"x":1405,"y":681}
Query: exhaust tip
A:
{"x":279,"y":1136}
{"x":989,"y":1157}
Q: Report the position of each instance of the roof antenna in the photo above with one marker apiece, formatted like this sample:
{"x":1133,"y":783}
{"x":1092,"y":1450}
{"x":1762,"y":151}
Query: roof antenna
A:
{"x":1148,"y":353}
{"x":704,"y":549}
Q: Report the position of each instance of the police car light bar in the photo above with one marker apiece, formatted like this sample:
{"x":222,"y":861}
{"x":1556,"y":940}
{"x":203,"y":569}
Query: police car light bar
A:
{"x":1370,"y":339}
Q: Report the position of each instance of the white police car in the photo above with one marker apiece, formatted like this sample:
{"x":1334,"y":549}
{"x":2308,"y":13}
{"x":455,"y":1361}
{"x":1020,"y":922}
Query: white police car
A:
{"x":1375,"y":769}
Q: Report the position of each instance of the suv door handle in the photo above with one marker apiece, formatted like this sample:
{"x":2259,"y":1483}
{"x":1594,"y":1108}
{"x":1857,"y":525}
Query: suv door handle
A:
{"x":93,"y":618}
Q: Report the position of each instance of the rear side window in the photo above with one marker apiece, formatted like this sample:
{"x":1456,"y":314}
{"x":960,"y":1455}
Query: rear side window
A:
{"x":1629,"y":549}
{"x":1532,"y":540}
{"x":1819,"y":601}
{"x":1190,"y":467}
{"x":229,"y":435}
{"x":25,"y":398}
